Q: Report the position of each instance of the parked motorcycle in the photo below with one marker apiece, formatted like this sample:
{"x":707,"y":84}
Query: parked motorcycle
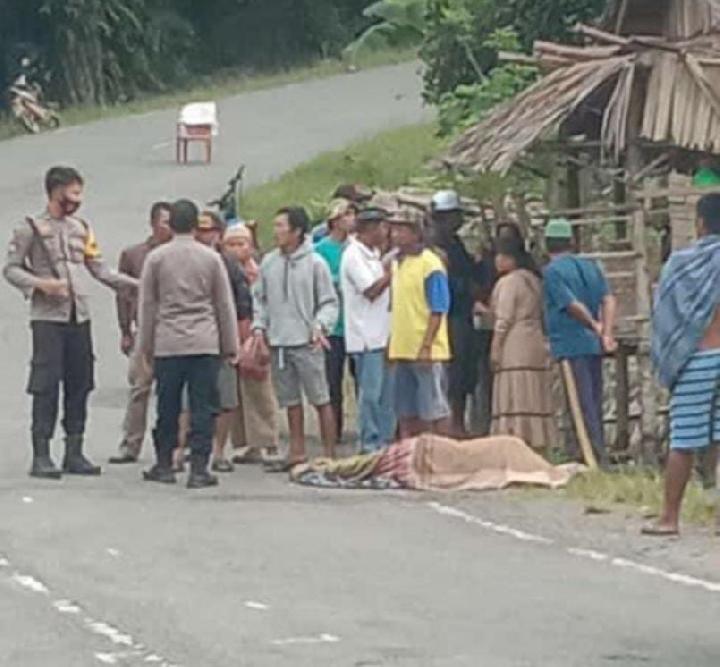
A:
{"x":29,"y":110}
{"x":229,"y":200}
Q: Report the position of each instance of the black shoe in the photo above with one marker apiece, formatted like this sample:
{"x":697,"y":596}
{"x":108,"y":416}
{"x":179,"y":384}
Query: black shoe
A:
{"x":75,"y":462}
{"x":122,"y":459}
{"x":201,"y":480}
{"x":43,"y":466}
{"x":159,"y":474}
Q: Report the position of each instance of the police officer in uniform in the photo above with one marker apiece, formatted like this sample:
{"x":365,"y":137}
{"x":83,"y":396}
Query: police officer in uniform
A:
{"x":48,"y":260}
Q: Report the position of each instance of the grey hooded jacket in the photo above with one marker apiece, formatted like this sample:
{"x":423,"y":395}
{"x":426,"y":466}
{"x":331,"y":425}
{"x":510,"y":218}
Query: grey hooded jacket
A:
{"x":294,"y":297}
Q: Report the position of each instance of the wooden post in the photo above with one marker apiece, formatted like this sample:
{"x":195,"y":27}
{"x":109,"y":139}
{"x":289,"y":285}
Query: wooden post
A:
{"x":640,"y":221}
{"x":622,"y":394}
{"x":648,"y":394}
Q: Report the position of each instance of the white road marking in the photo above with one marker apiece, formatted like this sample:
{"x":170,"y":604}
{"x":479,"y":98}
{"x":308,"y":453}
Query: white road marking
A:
{"x":32,"y":584}
{"x":321,"y":639}
{"x":108,"y":631}
{"x":131,"y":647}
{"x":113,"y":552}
{"x":66,"y":607}
{"x":162,"y":144}
{"x":259,"y":606}
{"x":497,"y":528}
{"x":28,"y":500}
{"x":589,"y":554}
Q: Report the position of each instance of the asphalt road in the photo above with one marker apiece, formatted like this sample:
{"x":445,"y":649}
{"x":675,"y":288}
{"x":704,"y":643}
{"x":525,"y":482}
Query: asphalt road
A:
{"x":112,"y":571}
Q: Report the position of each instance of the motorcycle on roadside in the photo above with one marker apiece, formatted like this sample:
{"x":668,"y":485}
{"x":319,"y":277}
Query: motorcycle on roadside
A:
{"x":28,"y":109}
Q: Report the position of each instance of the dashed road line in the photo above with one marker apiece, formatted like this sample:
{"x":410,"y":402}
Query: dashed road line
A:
{"x":126,"y":647}
{"x":588,"y":554}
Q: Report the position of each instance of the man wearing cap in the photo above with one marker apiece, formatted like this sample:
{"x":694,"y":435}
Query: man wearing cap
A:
{"x":140,"y":378}
{"x":419,"y":344}
{"x":210,"y":231}
{"x":354,"y":193}
{"x":463,"y":278}
{"x":341,"y":223}
{"x":580,"y":319}
{"x":365,"y":284}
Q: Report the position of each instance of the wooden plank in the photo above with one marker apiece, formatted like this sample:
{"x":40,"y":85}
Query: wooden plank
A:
{"x":622,"y":398}
{"x":600,"y":35}
{"x":665,"y":98}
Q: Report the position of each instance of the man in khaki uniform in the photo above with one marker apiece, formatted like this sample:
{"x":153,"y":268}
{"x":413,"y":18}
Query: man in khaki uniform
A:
{"x":140,"y":378}
{"x":48,"y":260}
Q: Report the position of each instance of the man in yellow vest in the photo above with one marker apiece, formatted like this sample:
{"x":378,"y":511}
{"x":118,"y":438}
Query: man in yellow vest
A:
{"x":419,"y":346}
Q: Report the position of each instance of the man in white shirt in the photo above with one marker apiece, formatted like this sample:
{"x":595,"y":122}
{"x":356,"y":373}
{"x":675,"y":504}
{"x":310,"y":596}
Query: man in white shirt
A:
{"x":365,"y":285}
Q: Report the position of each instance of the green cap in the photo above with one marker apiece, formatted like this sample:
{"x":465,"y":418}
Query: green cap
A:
{"x":559,"y":228}
{"x":705,"y":177}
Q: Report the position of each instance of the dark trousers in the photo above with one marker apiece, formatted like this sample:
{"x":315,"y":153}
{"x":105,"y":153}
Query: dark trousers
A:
{"x":587,"y":372}
{"x":200,"y":374}
{"x":62,"y":354}
{"x":335,"y":370}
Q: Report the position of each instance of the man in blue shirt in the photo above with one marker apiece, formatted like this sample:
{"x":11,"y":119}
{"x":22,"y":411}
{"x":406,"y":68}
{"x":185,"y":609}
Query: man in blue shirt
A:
{"x":580,"y":319}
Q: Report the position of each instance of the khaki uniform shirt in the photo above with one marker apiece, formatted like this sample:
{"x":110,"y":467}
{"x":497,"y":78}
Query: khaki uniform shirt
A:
{"x":186,"y":302}
{"x":131,"y":264}
{"x":72,"y":255}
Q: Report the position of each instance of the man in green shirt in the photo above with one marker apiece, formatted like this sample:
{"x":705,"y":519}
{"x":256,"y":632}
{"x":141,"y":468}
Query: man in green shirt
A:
{"x":341,"y":223}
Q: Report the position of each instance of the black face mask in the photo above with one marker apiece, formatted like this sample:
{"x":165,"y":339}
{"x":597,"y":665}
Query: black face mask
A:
{"x":68,"y":206}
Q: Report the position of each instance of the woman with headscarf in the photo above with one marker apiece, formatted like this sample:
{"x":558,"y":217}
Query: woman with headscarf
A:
{"x":522,"y":392}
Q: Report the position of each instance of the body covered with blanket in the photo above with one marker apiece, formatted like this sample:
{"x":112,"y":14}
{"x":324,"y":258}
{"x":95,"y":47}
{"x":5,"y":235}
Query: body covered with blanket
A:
{"x":434,"y":463}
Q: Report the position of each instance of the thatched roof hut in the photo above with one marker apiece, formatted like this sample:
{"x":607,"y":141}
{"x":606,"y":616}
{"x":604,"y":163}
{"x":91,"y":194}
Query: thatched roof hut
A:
{"x":656,"y":77}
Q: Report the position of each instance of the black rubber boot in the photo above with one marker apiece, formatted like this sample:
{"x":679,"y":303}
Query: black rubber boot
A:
{"x":162,"y":471}
{"x":42,"y":465}
{"x":75,"y":462}
{"x":199,"y":477}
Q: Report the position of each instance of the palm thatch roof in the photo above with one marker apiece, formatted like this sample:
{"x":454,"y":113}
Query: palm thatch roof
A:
{"x":674,"y":19}
{"x":675,"y":82}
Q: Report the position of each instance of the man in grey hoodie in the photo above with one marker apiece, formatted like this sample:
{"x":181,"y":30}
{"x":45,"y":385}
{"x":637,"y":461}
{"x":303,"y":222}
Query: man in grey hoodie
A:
{"x":296,"y":307}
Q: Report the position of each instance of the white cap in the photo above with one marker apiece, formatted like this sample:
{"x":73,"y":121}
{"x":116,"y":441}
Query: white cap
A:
{"x":445,"y":201}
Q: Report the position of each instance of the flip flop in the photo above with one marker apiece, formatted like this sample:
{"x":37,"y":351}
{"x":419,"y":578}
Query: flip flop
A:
{"x":282,"y":465}
{"x":654,"y":530}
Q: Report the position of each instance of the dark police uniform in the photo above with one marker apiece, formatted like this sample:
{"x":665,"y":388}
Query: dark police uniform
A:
{"x":46,"y":248}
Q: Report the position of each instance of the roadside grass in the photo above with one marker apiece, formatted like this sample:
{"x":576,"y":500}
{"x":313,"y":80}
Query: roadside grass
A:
{"x":385,"y":161}
{"x":641,"y":490}
{"x":224,"y":84}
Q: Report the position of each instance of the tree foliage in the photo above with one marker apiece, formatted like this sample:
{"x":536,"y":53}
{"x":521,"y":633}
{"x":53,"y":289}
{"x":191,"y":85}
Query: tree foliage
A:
{"x":396,"y":23}
{"x":462,"y":40}
{"x":102,"y":51}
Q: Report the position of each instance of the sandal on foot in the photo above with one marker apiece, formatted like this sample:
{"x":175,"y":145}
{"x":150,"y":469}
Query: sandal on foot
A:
{"x":282,"y":465}
{"x":222,"y":465}
{"x":656,"y":530}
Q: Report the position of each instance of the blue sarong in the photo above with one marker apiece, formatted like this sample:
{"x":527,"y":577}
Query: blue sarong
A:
{"x":695,"y":403}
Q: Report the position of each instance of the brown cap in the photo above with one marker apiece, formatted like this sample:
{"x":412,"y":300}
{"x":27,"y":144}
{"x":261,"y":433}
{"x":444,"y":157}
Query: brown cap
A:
{"x":210,"y":221}
{"x":407,"y":216}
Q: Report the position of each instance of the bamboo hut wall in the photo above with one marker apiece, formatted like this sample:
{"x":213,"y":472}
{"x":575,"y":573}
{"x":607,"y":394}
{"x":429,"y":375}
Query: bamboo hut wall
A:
{"x":688,"y":18}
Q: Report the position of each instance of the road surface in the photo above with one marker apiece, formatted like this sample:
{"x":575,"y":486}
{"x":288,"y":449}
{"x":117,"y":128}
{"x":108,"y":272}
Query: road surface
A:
{"x":111,"y":571}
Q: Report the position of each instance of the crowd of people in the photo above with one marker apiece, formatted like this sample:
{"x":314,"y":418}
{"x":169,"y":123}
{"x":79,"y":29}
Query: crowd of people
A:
{"x":384,"y":294}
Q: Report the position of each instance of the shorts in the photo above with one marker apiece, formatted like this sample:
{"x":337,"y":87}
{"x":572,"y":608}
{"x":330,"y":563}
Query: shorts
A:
{"x":228,"y":397}
{"x":421,"y":391}
{"x":298,"y":370}
{"x":695,"y":403}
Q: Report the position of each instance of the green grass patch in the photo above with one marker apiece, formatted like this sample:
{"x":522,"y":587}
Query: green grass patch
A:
{"x":642,"y":490}
{"x":385,"y":161}
{"x":222,"y":85}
